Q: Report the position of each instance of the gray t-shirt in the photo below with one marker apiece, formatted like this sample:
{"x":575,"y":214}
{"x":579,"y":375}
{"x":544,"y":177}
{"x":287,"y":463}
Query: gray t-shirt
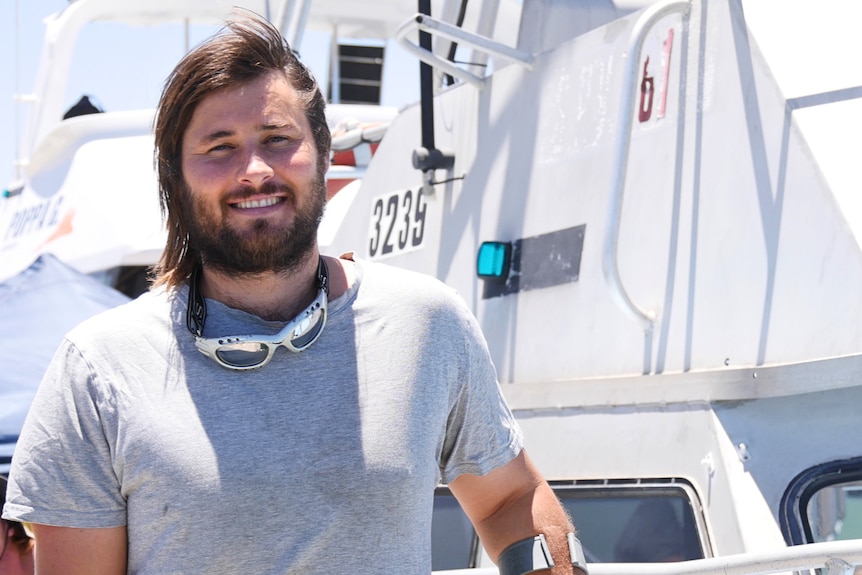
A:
{"x":320,"y":462}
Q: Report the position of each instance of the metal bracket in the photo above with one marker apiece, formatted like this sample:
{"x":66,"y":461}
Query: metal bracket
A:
{"x":428,"y":24}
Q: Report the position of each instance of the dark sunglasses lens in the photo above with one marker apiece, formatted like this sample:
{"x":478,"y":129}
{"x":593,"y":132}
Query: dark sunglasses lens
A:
{"x":243,"y":354}
{"x":307,"y":332}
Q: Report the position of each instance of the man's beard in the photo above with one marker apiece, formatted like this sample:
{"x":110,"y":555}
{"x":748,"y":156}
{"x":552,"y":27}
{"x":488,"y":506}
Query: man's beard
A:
{"x":263,"y":247}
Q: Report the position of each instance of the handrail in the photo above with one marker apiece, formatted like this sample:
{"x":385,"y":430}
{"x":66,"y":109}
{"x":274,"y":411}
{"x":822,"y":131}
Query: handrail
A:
{"x":492,"y":47}
{"x":360,"y":135}
{"x":63,"y":140}
{"x":837,"y":557}
{"x":620,"y":165}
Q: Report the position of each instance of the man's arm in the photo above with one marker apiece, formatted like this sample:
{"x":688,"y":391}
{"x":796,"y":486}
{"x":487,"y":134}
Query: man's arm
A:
{"x":513,"y":503}
{"x":73,"y":551}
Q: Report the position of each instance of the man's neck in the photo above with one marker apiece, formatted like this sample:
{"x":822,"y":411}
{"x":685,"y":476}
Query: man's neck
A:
{"x":276,"y":296}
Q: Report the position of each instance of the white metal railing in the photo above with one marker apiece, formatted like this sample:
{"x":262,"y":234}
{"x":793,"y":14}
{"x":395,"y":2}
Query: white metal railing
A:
{"x":487,"y":45}
{"x":610,"y":266}
{"x":835,"y":557}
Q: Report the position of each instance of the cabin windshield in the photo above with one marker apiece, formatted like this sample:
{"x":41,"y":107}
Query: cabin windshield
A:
{"x":642,"y":521}
{"x":636,"y":522}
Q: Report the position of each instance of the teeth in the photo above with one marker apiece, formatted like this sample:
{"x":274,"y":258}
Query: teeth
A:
{"x":270,"y":201}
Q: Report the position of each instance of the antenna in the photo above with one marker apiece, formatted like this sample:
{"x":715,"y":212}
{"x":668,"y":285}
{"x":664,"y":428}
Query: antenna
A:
{"x":17,"y":132}
{"x":428,"y":158}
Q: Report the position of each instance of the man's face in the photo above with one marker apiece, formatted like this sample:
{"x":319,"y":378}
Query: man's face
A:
{"x":254,"y":196}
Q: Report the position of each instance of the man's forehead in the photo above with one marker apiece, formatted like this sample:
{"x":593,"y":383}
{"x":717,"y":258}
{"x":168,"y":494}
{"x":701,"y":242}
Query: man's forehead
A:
{"x":267,"y":105}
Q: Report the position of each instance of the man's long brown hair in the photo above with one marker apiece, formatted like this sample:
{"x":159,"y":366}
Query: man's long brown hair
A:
{"x":244,"y":50}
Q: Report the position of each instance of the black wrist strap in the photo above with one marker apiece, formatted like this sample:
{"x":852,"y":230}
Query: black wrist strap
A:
{"x":533,"y":554}
{"x":525,"y":556}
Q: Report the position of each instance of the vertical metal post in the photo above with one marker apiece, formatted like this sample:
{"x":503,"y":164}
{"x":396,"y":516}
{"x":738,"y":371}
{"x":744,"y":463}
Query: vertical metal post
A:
{"x":427,"y":157}
{"x":18,"y":171}
{"x":334,"y":69}
{"x":426,"y":83}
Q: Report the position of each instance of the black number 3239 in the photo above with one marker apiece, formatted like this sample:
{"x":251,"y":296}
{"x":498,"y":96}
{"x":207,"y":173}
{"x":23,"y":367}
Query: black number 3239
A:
{"x":397,"y":223}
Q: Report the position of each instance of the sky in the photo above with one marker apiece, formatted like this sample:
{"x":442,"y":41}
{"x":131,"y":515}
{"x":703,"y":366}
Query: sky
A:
{"x":112,"y":47}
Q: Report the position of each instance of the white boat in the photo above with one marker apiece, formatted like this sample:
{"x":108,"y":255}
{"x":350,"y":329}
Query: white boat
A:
{"x":651,"y":209}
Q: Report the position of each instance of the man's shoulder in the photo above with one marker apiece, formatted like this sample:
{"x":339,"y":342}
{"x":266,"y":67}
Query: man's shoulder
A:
{"x":400,"y":279}
{"x":380,"y":270}
{"x":398,"y":286}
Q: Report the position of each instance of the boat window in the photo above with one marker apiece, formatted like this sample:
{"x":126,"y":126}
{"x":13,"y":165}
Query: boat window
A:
{"x":835,"y":512}
{"x":453,"y":541}
{"x":621,"y":522}
{"x":636,"y":522}
{"x":824,"y":503}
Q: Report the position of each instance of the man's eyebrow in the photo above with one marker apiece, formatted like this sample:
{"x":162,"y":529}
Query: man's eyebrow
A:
{"x":217,"y":135}
{"x":276,"y":126}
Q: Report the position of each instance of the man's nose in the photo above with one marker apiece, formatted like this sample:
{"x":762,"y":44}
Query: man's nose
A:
{"x":255,"y":169}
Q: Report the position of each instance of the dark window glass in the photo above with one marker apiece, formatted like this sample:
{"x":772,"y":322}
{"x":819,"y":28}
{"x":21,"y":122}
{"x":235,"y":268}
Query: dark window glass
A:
{"x":625,"y":522}
{"x":635,"y":524}
{"x":453,"y":540}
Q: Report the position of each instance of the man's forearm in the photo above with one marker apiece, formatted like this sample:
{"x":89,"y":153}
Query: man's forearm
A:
{"x":534,"y":513}
{"x":514,"y":503}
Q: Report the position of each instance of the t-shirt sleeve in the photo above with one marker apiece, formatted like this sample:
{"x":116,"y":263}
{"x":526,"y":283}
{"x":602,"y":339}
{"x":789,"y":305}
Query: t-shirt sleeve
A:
{"x":62,"y":471}
{"x":481,"y":433}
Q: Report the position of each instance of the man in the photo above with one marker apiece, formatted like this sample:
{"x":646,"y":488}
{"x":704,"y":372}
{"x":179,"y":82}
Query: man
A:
{"x":160,"y":443}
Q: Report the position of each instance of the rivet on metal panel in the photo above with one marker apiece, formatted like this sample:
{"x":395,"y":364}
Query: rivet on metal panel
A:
{"x":708,"y":464}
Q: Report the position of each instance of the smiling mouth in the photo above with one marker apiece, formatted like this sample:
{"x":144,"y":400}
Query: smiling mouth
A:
{"x":264,"y":203}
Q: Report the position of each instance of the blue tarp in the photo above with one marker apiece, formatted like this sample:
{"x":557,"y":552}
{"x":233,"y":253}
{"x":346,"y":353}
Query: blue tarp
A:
{"x":37,"y":308}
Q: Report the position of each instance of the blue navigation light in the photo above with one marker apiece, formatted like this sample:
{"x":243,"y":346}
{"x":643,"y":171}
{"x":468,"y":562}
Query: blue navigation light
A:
{"x":494,"y":260}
